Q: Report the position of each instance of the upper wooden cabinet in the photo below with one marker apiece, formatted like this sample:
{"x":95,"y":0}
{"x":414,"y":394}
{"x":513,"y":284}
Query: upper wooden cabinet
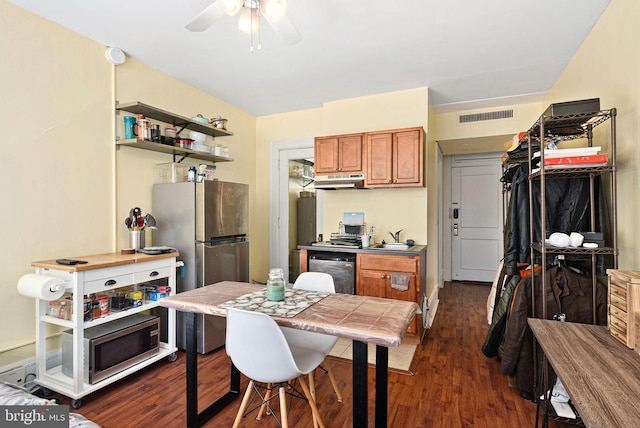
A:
{"x":338,"y":154}
{"x":395,"y":158}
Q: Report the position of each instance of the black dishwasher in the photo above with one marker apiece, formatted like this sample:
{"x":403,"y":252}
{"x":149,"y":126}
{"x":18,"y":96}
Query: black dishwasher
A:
{"x":342,"y":267}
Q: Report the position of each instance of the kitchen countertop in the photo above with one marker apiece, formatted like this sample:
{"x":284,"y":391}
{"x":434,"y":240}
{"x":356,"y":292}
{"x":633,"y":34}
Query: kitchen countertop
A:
{"x":412,"y":251}
{"x":101,"y":261}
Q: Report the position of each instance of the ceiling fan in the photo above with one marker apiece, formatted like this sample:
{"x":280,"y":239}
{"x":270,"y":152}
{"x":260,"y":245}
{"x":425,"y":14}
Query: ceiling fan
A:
{"x":250,"y":10}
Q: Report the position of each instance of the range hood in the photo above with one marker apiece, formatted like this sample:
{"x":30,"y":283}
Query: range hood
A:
{"x":339,"y":181}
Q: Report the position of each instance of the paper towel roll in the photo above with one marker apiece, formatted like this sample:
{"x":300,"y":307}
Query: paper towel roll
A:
{"x":41,"y":286}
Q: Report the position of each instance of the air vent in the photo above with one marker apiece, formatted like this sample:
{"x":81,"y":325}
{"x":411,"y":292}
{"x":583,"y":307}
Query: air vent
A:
{"x":489,"y":115}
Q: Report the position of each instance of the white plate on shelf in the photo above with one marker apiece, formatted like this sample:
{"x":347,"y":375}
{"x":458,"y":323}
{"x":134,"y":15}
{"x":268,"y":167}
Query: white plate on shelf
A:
{"x":201,"y":148}
{"x":197,"y":137}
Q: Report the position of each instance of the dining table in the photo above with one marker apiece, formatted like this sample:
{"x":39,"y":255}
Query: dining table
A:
{"x":362,"y":319}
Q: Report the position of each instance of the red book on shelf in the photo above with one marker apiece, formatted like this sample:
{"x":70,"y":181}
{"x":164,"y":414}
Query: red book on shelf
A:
{"x":577,"y":161}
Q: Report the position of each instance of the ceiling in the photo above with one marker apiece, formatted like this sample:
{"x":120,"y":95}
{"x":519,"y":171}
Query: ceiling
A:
{"x":468,"y":52}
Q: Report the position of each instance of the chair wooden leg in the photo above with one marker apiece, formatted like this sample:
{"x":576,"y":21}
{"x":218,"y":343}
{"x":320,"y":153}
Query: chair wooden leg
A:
{"x":264,"y":407}
{"x":312,"y":402}
{"x":283,"y":407}
{"x":243,"y":405}
{"x":312,"y":390}
{"x":332,"y":378}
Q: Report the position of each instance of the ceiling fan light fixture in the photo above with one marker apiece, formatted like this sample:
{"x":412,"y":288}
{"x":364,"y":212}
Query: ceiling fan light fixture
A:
{"x":273,"y":10}
{"x":231,"y":7}
{"x":249,"y":20}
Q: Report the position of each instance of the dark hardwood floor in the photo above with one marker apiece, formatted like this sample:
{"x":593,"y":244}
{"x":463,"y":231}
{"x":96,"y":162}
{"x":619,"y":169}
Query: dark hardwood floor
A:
{"x":454,"y":384}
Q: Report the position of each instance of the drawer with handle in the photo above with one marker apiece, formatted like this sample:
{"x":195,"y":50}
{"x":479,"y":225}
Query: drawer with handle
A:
{"x":151,"y":274}
{"x":618,"y":305}
{"x":109,"y":283}
{"x":624,"y":303}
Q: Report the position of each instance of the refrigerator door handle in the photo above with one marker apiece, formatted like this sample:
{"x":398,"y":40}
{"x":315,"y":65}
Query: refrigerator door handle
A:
{"x":225,"y":240}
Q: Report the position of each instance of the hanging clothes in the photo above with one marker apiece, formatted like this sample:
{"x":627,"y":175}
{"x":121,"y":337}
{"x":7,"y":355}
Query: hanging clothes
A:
{"x":567,"y":210}
{"x":494,"y":343}
{"x":495,"y":335}
{"x":566,"y":292}
{"x":516,"y":230}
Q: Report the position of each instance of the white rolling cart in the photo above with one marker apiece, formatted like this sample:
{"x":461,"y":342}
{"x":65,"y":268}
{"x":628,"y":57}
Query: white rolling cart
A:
{"x":101,"y":273}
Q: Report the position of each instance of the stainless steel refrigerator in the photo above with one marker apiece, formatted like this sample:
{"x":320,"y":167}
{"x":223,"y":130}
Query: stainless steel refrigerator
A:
{"x":208,"y":223}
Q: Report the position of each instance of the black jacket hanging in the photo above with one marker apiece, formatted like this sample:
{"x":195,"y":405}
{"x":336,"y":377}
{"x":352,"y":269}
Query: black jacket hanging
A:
{"x":567,"y":210}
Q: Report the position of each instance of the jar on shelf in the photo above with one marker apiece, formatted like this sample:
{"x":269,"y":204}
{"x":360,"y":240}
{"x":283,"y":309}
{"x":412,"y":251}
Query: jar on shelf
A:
{"x":275,"y":285}
{"x":88,"y":312}
{"x":65,"y":309}
{"x":170,"y":135}
{"x":103,"y":304}
{"x":54,"y":308}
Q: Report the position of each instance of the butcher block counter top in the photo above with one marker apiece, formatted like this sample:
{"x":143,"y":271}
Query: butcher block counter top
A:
{"x":100,"y":261}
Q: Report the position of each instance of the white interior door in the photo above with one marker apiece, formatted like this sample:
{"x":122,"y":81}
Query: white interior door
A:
{"x":476,"y":220}
{"x":281,"y":152}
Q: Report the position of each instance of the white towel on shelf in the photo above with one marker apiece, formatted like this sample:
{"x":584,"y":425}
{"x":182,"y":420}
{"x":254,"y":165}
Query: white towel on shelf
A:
{"x":400,"y":281}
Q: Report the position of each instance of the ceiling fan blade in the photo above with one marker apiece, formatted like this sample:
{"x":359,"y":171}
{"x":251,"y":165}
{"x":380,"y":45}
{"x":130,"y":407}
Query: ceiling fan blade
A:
{"x":207,"y":17}
{"x":286,"y":30}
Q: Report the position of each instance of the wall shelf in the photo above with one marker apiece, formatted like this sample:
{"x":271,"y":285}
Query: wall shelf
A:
{"x":172,"y":150}
{"x":174,"y":119}
{"x":179,"y":122}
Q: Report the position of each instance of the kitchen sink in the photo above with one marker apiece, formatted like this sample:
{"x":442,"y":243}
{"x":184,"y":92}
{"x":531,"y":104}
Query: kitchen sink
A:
{"x":396,"y":246}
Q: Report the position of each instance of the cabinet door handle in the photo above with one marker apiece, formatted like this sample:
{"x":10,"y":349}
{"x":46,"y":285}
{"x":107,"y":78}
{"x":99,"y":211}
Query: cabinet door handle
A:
{"x":154,"y":273}
{"x":388,"y":276}
{"x":395,"y":181}
{"x":382,"y":276}
{"x":110,"y":282}
{"x":389,"y":181}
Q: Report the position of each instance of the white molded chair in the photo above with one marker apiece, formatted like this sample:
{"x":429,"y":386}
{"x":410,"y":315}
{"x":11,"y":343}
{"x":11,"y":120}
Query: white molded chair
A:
{"x":260,"y":351}
{"x":315,"y":281}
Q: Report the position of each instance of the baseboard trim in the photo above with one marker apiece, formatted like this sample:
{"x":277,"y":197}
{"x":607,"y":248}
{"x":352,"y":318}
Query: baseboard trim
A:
{"x":432,"y":307}
{"x":54,"y":358}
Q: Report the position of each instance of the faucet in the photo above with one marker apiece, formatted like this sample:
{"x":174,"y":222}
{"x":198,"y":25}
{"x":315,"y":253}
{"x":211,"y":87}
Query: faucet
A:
{"x":396,"y":236}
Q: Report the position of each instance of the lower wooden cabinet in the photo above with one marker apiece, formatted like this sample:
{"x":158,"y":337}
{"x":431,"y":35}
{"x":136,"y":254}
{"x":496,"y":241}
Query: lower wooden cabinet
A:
{"x":374,"y":278}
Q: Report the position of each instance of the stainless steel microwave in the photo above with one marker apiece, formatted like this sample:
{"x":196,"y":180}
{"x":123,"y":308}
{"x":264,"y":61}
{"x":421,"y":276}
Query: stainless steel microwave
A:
{"x":112,"y":347}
